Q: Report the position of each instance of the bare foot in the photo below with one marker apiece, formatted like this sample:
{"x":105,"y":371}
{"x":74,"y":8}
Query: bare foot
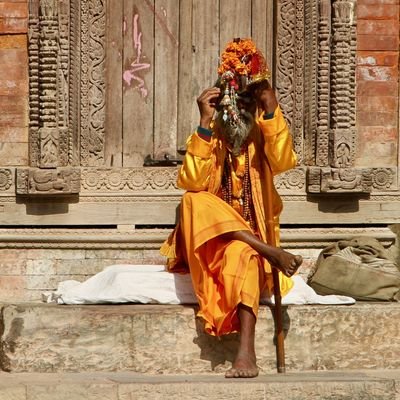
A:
{"x":286,"y":262}
{"x":243,"y":367}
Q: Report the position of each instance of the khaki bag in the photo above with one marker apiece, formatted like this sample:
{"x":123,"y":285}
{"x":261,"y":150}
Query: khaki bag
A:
{"x":359,"y":268}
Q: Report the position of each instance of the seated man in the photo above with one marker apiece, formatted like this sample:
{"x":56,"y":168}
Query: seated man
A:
{"x":222,"y":235}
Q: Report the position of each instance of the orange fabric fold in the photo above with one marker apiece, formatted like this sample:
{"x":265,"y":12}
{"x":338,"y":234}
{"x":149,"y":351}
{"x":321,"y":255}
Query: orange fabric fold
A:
{"x":224,"y":273}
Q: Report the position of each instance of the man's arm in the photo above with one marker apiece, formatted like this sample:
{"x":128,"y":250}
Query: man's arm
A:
{"x":195,"y":172}
{"x":278,"y":144}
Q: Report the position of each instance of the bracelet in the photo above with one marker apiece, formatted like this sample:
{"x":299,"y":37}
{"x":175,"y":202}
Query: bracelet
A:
{"x":204,"y":131}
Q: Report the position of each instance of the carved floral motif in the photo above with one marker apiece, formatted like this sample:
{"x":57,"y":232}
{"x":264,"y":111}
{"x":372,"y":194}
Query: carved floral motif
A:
{"x":129,"y":179}
{"x":293,"y":180}
{"x":5,"y":179}
{"x":383,"y":178}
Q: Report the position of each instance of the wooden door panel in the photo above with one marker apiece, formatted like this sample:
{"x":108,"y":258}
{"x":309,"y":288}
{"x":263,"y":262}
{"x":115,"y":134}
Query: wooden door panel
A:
{"x":161,"y":55}
{"x":166,"y":57}
{"x":235,"y":21}
{"x":114,"y":58}
{"x":137,"y":80}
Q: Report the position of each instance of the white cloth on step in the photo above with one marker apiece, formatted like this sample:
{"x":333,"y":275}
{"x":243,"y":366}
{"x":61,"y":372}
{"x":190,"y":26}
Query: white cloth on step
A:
{"x":151,"y":284}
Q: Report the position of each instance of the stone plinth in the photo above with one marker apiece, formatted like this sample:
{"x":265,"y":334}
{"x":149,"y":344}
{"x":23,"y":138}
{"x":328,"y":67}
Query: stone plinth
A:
{"x":155,"y":339}
{"x":357,"y":385}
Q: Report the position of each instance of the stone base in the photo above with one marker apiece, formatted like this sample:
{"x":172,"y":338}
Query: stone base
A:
{"x":162,"y":339}
{"x":356,"y":385}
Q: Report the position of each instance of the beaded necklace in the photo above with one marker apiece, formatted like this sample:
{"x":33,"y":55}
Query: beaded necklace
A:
{"x":246,"y":198}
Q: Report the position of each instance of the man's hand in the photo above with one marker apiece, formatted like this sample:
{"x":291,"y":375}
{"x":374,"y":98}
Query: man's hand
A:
{"x":265,"y":96}
{"x":207,"y":103}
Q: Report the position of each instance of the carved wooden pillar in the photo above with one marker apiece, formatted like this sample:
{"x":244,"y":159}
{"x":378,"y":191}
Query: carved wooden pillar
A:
{"x":66,"y":78}
{"x":343,"y":132}
{"x":336,"y":92}
{"x":290,"y":67}
{"x":323,"y":79}
{"x":90,"y":40}
{"x":49,"y":60}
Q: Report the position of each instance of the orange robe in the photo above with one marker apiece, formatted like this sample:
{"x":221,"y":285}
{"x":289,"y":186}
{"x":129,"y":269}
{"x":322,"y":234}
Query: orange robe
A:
{"x":224,"y":273}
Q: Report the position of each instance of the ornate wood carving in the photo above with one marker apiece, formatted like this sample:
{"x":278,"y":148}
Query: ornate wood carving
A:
{"x":339,"y":180}
{"x":335,"y":130}
{"x":92,"y":30}
{"x":37,"y":181}
{"x":323,"y":93}
{"x":48,"y":53}
{"x":290,"y":67}
{"x":129,"y":180}
{"x":384,"y":179}
{"x":343,"y":132}
{"x":6,"y":179}
{"x":291,"y":181}
{"x":67,"y":85}
{"x":315,"y":61}
{"x":310,"y":81}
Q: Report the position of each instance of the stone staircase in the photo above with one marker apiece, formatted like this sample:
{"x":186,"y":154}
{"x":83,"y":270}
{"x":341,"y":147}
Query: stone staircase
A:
{"x":126,"y":352}
{"x":157,"y":352}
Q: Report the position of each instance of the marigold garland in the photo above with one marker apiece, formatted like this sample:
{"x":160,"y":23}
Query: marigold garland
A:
{"x":236,"y":56}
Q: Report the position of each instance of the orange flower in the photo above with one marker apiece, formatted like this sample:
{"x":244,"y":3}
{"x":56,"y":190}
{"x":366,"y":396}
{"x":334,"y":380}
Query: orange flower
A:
{"x":232,"y":57}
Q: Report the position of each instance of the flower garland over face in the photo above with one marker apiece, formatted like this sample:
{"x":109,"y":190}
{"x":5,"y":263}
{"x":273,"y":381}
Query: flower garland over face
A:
{"x":241,"y":65}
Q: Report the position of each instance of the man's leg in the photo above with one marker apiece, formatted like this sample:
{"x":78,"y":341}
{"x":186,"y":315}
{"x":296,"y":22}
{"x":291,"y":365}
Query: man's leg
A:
{"x":245,"y":365}
{"x":286,"y":262}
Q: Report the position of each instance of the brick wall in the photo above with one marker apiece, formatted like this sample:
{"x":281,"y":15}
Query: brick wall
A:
{"x":27,"y":273}
{"x":378,"y":82}
{"x":13,"y":83}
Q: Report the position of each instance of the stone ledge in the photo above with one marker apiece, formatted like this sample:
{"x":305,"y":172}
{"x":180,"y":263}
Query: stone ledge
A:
{"x":168,"y":339}
{"x":365,"y":385}
{"x":291,"y":237}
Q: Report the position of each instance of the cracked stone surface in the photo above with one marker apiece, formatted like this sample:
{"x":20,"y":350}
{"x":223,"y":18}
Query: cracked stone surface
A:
{"x":154,"y":339}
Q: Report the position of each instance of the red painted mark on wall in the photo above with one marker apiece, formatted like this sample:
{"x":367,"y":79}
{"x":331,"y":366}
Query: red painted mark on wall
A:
{"x":130,"y":76}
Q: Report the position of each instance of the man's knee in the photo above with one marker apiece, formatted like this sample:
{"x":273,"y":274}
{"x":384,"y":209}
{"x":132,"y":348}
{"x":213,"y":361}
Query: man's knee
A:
{"x":236,"y":247}
{"x":188,"y":198}
{"x":191,"y":197}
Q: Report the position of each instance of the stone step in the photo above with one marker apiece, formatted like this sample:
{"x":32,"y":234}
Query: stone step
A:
{"x":153,"y":339}
{"x":335,"y":385}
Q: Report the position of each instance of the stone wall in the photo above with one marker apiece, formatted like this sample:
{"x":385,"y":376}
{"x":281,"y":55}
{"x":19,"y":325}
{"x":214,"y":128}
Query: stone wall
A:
{"x":26,"y":274}
{"x":35,"y":261}
{"x":13,"y":83}
{"x":377,"y":82}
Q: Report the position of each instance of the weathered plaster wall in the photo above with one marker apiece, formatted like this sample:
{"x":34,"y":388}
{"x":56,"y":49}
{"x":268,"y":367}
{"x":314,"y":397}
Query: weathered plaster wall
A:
{"x":377,"y":82}
{"x":13,"y":83}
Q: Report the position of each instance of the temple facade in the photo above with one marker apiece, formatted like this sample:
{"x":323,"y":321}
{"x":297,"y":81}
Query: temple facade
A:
{"x":98,"y":96}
